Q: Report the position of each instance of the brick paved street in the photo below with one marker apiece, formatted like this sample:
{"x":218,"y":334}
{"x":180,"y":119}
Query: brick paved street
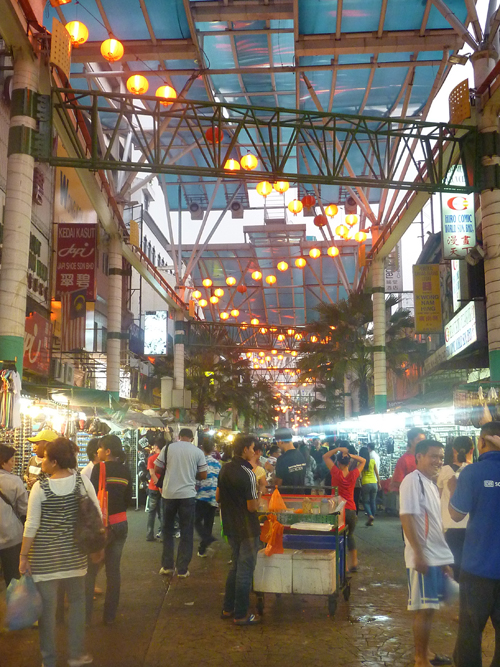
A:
{"x":178,"y":625}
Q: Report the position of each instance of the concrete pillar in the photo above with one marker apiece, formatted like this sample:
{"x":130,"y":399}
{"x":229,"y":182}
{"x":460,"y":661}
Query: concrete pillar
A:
{"x":179,"y":350}
{"x":347,"y":397}
{"x":18,"y":205}
{"x":490,"y":212}
{"x":379,"y":329}
{"x":115,"y":335}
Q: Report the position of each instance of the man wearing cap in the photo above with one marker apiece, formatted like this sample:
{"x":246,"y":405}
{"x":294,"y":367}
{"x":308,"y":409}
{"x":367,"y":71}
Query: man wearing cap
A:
{"x":34,"y":467}
{"x":291,"y":466}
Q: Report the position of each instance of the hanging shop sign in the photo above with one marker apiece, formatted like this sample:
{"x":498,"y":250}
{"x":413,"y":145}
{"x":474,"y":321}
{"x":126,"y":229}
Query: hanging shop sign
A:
{"x":76,"y":259}
{"x":458,"y":219}
{"x":427,"y":298}
{"x":37,"y":344}
{"x":71,"y":203}
{"x":455,"y":284}
{"x":394,"y":271}
{"x":466,"y":328}
{"x":38,"y":269}
{"x":155,"y":332}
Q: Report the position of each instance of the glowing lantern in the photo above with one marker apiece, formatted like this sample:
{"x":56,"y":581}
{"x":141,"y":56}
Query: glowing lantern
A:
{"x":256,"y":366}
{"x":78,"y":32}
{"x":280,"y":356}
{"x":281,"y":186}
{"x":342,"y":231}
{"x":264,"y":188}
{"x":112,"y":50}
{"x":202,"y":303}
{"x":290,"y":332}
{"x":320,"y":220}
{"x":196,"y":294}
{"x":224,"y":316}
{"x":268,"y":358}
{"x":298,"y":336}
{"x":294,"y":354}
{"x":308,"y":201}
{"x":214,"y":299}
{"x":249,"y":162}
{"x":244,"y":326}
{"x":254,"y":321}
{"x":261,"y":354}
{"x":360,"y":236}
{"x":273,"y":329}
{"x":315,"y":253}
{"x":274,"y":351}
{"x":207,"y":282}
{"x":351,"y":219}
{"x":314,"y":339}
{"x":300,"y":263}
{"x":241,"y":289}
{"x":249,"y":355}
{"x":281,"y":337}
{"x":168,"y":94}
{"x":282,"y":266}
{"x":333,"y":251}
{"x":213,"y":135}
{"x":230,"y":281}
{"x":137,"y":84}
{"x":232,"y":165}
{"x":263,"y":331}
{"x":331,"y":210}
{"x":219,"y":292}
{"x":257,"y":275}
{"x":270,"y":280}
{"x":295,"y":206}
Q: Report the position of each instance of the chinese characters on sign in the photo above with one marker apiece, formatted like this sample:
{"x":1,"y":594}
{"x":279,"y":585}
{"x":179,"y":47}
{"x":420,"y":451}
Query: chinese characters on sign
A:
{"x":427,"y":296}
{"x":76,"y":259}
{"x":458,"y":220}
{"x":393,"y":271}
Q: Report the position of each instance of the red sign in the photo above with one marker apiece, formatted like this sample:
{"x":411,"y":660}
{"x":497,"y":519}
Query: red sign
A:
{"x":76,"y":259}
{"x":37,"y":344}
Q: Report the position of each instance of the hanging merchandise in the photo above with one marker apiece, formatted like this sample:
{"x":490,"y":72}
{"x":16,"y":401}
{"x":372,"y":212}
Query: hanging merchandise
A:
{"x":10,"y":393}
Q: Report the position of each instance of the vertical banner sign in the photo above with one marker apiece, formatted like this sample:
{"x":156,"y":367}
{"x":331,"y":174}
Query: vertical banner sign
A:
{"x":455,"y":284}
{"x":427,"y":297}
{"x":76,"y":259}
{"x":393,"y":271}
{"x":37,"y":344}
{"x":458,"y":219}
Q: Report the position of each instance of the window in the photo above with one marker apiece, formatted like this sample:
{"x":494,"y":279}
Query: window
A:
{"x":145,"y":245}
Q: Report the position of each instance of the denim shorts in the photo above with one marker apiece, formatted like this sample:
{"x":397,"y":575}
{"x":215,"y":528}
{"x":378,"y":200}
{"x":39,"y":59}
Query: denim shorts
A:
{"x":425,"y":591}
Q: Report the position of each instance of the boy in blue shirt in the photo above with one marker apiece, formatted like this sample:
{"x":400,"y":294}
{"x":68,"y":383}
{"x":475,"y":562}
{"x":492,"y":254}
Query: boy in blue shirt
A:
{"x":477,"y":493}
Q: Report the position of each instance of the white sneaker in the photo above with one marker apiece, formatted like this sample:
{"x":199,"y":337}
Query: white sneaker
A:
{"x":184,"y":576}
{"x":177,"y":535}
{"x":84,"y":660}
{"x":203,"y":555}
{"x":165,"y":570}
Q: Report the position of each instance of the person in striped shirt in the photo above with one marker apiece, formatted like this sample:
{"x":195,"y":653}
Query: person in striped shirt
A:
{"x":205,"y":500}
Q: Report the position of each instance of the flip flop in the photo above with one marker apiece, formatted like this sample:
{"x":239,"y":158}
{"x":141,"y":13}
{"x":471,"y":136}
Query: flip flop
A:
{"x":441,"y":660}
{"x":253,"y":619}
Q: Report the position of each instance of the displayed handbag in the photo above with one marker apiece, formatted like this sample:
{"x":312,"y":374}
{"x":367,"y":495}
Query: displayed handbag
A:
{"x":90,"y":533}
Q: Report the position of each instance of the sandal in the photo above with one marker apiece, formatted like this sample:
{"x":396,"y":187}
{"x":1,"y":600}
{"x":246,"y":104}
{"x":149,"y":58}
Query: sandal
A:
{"x":441,"y":660}
{"x":226,"y":614}
{"x":252,"y":619}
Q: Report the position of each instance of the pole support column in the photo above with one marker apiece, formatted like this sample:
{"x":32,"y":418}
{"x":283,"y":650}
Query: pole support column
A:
{"x":379,"y":329}
{"x":179,"y":350}
{"x":114,"y":338}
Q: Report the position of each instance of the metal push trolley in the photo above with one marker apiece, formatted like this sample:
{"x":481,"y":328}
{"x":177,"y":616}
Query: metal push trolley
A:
{"x":314,"y":558}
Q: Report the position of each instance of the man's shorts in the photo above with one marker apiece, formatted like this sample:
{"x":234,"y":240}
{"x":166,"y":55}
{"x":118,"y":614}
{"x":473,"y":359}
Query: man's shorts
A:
{"x":425,"y":591}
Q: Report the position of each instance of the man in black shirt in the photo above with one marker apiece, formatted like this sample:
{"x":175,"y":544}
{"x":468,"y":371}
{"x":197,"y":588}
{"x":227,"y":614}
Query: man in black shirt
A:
{"x":291,"y":465}
{"x":239,"y":499}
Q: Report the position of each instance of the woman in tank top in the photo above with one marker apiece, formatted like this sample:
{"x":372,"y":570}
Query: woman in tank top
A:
{"x":49,"y":551}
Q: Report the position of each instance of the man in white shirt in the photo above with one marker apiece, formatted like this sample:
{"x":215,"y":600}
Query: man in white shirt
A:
{"x":427,"y":556}
{"x":183,"y":464}
{"x":374,"y":455}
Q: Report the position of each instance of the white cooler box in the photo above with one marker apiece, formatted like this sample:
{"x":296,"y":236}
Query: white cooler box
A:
{"x":273,"y":574}
{"x":313,"y":572}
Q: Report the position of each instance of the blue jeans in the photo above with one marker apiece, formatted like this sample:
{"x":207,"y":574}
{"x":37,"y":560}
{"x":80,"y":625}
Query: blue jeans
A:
{"x":154,"y":509}
{"x":240,"y":577}
{"x":75,"y":591}
{"x":370,"y":498}
{"x":184,"y":508}
{"x":479,"y":600}
{"x":117,"y":534}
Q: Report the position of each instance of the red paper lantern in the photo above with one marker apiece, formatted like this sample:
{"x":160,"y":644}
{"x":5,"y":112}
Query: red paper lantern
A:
{"x":320,"y":220}
{"x":241,"y":289}
{"x":309,"y":201}
{"x":214,"y":135}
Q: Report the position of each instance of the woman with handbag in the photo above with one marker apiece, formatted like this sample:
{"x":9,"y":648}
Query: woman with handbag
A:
{"x":111,"y":478}
{"x":50,"y":551}
{"x":13,"y":508}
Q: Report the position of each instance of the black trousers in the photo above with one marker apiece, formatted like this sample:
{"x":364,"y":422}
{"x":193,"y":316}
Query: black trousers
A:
{"x":10,"y":563}
{"x":203,"y":522}
{"x":479,"y":600}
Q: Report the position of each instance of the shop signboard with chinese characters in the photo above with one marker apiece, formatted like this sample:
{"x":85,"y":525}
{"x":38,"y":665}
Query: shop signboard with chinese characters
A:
{"x":37,"y":344}
{"x":76,"y":259}
{"x":427,"y":297}
{"x":466,"y":328}
{"x":394,"y":271}
{"x":458,"y":219}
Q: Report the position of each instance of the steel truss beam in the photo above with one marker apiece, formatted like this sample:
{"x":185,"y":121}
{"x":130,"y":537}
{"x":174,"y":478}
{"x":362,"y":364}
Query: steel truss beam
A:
{"x":377,"y":146}
{"x":247,"y":338}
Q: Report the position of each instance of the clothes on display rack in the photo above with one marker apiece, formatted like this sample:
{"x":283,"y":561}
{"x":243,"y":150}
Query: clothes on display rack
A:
{"x":10,"y":395}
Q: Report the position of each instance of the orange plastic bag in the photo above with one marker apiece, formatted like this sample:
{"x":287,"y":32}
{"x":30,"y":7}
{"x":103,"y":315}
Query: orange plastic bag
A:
{"x":277,"y":504}
{"x":272,"y":533}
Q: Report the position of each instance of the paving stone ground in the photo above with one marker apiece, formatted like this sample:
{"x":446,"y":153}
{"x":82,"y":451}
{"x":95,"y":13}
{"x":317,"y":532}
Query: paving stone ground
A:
{"x":177,"y":624}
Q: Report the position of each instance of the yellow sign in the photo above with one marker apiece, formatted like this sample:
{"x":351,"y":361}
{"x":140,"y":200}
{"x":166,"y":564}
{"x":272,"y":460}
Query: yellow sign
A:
{"x":427,"y":297}
{"x":71,"y":203}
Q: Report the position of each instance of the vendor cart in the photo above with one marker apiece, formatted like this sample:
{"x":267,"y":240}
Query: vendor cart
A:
{"x":313,"y":561}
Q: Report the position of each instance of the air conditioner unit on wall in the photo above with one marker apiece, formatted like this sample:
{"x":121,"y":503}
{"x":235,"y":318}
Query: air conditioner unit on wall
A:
{"x":58,"y":370}
{"x":69,"y":374}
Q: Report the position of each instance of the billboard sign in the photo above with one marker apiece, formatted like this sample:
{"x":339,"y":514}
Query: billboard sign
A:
{"x":76,"y":259}
{"x":427,"y":297}
{"x":458,"y":219}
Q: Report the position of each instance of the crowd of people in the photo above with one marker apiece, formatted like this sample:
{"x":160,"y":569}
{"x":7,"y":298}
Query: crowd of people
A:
{"x":449,"y":509}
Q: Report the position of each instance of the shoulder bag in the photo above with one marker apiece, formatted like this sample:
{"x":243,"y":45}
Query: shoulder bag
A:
{"x":90,"y":533}
{"x":22,"y":519}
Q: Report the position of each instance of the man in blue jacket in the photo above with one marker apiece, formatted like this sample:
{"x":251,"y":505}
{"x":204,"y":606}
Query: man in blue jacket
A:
{"x":477,"y":493}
